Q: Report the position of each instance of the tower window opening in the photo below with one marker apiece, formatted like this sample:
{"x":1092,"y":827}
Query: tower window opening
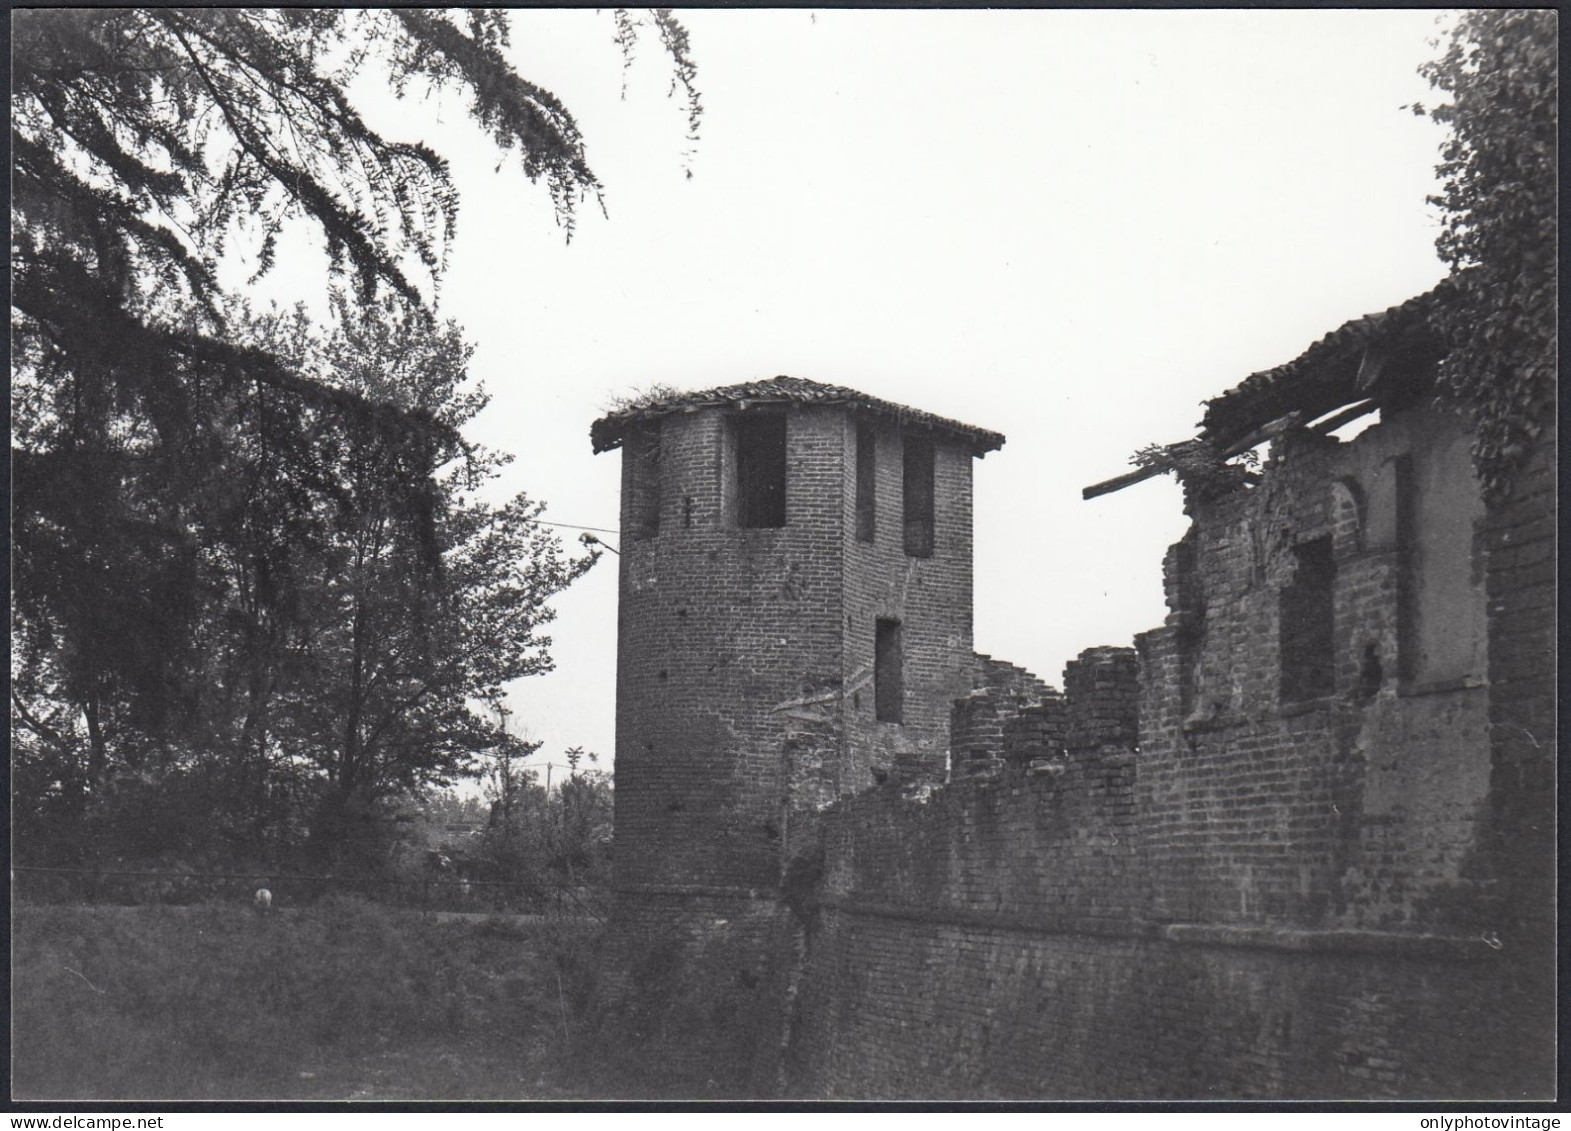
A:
{"x":918,"y":483}
{"x":888,"y":674}
{"x":760,"y":469}
{"x":642,"y":450}
{"x":866,"y":481}
{"x":1307,"y":640}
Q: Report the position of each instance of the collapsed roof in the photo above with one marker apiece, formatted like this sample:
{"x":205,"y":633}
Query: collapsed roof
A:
{"x":1364,"y":358}
{"x":610,"y":430}
{"x":1383,"y":358}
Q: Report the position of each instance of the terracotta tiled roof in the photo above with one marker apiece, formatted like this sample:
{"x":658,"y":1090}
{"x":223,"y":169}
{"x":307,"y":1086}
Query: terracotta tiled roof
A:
{"x":608,"y":432}
{"x":1324,"y":377}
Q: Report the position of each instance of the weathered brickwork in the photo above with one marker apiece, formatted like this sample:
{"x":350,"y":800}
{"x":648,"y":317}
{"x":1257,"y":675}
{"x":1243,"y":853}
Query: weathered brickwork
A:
{"x":1296,"y":843}
{"x":1518,"y":837}
{"x":745,"y":656}
{"x":930,"y":597}
{"x":1186,"y":879}
{"x":900,"y":1007}
{"x":1356,"y":808}
{"x":728,"y":647}
{"x":746,"y":673}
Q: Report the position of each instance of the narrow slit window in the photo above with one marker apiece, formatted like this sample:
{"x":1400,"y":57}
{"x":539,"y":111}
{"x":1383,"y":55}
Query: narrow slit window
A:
{"x":643,"y":499}
{"x":1307,"y":640}
{"x":761,"y":470}
{"x":888,"y":674}
{"x":866,"y":481}
{"x":918,"y":483}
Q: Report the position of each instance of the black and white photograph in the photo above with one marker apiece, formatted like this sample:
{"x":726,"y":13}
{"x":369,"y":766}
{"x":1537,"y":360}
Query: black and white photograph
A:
{"x":783,"y":556}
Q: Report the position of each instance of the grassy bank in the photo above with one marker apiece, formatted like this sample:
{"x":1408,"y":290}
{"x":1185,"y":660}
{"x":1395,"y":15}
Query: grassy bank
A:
{"x":342,"y":1000}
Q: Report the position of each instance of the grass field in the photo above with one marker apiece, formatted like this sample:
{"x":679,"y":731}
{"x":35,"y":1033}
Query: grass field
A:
{"x":342,"y":1000}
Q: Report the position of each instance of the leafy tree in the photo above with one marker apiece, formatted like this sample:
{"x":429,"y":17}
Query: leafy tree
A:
{"x":186,"y":490}
{"x":442,"y":807}
{"x":365,"y":673}
{"x":548,"y":838}
{"x":511,"y":846}
{"x":1498,"y":170}
{"x":413,"y":625}
{"x":582,"y":837}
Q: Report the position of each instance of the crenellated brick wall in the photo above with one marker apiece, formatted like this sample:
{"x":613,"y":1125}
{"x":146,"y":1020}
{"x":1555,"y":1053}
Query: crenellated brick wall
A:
{"x":1184,"y":877}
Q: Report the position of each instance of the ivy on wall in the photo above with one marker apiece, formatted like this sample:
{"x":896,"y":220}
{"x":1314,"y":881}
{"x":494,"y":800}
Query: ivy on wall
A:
{"x":1498,"y":173}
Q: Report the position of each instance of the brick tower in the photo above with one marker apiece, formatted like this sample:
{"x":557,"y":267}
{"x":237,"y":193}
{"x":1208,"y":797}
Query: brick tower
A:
{"x":794,"y":625}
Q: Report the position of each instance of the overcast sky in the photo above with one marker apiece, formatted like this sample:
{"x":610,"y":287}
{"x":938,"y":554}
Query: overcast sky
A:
{"x":1068,"y":226}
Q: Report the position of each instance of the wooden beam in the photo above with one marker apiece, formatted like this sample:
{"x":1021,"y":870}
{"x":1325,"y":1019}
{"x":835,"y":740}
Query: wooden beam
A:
{"x":1265,"y":432}
{"x":1346,"y":416}
{"x":1119,"y":482}
{"x":1259,"y":436}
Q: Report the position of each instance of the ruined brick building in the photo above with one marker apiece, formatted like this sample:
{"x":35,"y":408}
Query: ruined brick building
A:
{"x":1297,"y":842}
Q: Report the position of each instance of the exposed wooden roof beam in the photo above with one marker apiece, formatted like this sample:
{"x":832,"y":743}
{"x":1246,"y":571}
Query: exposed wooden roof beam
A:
{"x":1119,"y":482}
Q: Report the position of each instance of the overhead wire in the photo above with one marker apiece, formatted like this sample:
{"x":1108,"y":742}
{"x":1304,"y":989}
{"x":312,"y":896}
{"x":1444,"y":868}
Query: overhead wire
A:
{"x":574,"y":526}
